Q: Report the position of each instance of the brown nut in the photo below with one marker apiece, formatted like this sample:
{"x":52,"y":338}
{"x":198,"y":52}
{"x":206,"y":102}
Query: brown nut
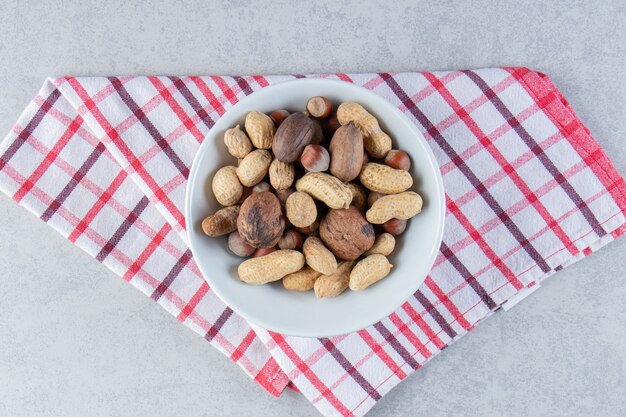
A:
{"x":318,"y":257}
{"x":260,"y":221}
{"x":368,"y":271}
{"x":295,"y":132}
{"x":318,"y":134}
{"x":226,"y":186}
{"x":398,"y":160}
{"x":263,"y":251}
{"x":394,"y":227}
{"x":224,"y":221}
{"x":319,"y":107}
{"x":384,"y":179}
{"x":291,"y":239}
{"x":253,"y":168}
{"x":279,"y":116}
{"x":346,"y":233}
{"x":334,"y":284}
{"x":358,"y":195}
{"x":281,"y":174}
{"x":301,"y":210}
{"x":331,"y":124}
{"x":309,"y":229}
{"x":260,"y":129}
{"x":237,"y":142}
{"x":315,"y":158}
{"x":302,"y":280}
{"x":238,"y":246}
{"x":346,"y":151}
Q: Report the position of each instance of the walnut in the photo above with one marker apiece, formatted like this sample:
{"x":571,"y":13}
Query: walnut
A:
{"x":260,"y":221}
{"x":346,"y":233}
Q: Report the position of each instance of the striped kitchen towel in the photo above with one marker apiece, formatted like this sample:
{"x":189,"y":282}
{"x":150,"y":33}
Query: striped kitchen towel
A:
{"x":105,"y":161}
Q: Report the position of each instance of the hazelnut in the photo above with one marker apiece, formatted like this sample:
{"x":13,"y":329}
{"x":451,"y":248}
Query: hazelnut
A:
{"x":319,"y":107}
{"x":238,"y":246}
{"x":291,"y":239}
{"x":278,"y":116}
{"x":315,"y":158}
{"x":309,"y":229}
{"x":263,"y":251}
{"x":398,"y":160}
{"x":394,"y":227}
{"x":331,"y":124}
{"x":346,"y":233}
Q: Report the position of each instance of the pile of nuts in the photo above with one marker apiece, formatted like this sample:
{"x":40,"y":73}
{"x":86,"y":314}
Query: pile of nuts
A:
{"x":312,"y":193}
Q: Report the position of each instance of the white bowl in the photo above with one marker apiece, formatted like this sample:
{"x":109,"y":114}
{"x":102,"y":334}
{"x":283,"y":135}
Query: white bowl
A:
{"x":302,"y":314}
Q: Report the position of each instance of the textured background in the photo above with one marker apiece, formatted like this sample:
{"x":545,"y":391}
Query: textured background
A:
{"x":75,"y":340}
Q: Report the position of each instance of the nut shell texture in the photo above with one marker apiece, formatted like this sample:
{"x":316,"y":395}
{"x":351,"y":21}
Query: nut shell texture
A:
{"x":334,"y":284}
{"x":326,"y":188}
{"x":384,"y":179}
{"x":400,"y":206}
{"x":383,"y":245}
{"x":346,"y":151}
{"x":318,"y":257}
{"x":377,"y":142}
{"x":260,"y":221}
{"x":281,"y":174}
{"x":226,"y":186}
{"x":221,"y":222}
{"x":394,"y":227}
{"x":368,"y":271}
{"x":237,"y":142}
{"x":238,"y":246}
{"x":294,"y":133}
{"x":301,"y":210}
{"x":315,"y":158}
{"x":302,"y":280}
{"x":253,"y":167}
{"x":271,"y":267}
{"x":346,"y":233}
{"x":398,"y":160}
{"x":261,"y":129}
{"x":359,"y":199}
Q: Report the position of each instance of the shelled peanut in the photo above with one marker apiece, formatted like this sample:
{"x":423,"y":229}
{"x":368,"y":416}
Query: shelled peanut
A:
{"x":315,"y":198}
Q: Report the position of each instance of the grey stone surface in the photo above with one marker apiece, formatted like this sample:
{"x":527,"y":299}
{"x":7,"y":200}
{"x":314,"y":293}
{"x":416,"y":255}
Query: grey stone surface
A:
{"x":75,"y":340}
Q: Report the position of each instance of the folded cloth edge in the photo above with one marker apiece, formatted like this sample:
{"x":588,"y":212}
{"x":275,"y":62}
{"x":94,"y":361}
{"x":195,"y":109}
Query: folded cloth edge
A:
{"x":540,"y":86}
